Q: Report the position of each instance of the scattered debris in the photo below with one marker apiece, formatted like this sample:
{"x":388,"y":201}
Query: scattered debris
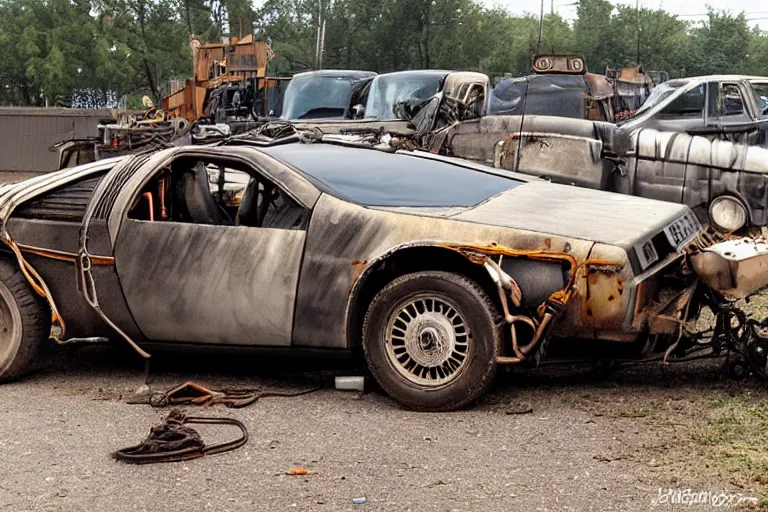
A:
{"x":191,"y":393}
{"x":360,"y":501}
{"x":172,"y":440}
{"x":350,"y":383}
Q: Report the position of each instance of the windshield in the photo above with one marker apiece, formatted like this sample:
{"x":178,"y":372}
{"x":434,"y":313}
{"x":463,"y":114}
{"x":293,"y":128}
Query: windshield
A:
{"x":392,"y":97}
{"x":659,"y":94}
{"x":375,"y":178}
{"x":314,"y":97}
{"x":760,"y":90}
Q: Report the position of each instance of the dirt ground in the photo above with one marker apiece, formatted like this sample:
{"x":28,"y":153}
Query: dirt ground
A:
{"x":551,"y":439}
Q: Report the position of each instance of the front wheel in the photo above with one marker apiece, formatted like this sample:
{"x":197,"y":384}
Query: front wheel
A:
{"x":431,"y":340}
{"x":24,"y":323}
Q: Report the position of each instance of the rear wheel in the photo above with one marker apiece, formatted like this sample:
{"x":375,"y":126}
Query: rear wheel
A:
{"x":431,"y":340}
{"x":24,"y":323}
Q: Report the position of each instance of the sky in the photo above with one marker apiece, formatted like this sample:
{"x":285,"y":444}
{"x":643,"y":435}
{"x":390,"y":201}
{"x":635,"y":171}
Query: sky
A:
{"x":694,"y":10}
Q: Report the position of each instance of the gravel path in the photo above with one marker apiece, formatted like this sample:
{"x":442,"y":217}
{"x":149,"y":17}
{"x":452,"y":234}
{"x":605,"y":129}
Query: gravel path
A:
{"x":58,"y":428}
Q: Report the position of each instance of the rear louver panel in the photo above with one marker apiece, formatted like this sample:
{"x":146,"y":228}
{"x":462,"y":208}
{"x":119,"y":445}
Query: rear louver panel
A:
{"x":65,"y":204}
{"x":117,"y":181}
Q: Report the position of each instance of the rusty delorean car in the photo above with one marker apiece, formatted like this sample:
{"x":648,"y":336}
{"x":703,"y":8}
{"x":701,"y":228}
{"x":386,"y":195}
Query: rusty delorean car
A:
{"x":440,"y":269}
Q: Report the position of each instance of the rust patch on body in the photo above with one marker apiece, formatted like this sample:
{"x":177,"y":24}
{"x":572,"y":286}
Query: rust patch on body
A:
{"x":359,"y":268}
{"x":62,"y":256}
{"x":553,"y":306}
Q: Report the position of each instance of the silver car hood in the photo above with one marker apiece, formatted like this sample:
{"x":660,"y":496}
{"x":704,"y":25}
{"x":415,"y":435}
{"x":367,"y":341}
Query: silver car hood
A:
{"x":569,"y":211}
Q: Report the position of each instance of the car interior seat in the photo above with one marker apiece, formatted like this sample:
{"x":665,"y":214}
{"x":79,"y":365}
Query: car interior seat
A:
{"x":253,"y":206}
{"x":196,"y":201}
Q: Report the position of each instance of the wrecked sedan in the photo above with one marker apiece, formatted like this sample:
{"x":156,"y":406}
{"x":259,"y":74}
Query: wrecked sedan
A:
{"x":440,"y":269}
{"x":729,"y":107}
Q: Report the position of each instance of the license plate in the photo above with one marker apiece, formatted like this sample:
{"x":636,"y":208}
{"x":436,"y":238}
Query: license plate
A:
{"x":682,"y":230}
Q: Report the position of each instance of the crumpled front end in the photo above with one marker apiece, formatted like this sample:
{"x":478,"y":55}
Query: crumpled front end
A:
{"x":735,"y":268}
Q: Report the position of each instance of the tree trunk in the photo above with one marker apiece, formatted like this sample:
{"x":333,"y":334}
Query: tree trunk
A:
{"x":349,"y":41}
{"x":189,"y":18}
{"x":151,"y":81}
{"x":424,"y":40}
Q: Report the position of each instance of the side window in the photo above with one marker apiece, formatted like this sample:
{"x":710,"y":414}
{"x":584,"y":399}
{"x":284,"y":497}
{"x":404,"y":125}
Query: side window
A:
{"x":726,"y":101}
{"x":476,"y":99}
{"x":760,"y":90}
{"x":688,"y":104}
{"x":462,"y":92}
{"x":216,"y":193}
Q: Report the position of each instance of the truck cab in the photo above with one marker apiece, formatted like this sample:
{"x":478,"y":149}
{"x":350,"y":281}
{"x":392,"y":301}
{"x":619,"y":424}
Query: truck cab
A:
{"x":729,"y":107}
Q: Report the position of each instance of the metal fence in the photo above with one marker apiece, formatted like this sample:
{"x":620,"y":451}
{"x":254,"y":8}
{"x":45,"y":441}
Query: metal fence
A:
{"x":27,"y":133}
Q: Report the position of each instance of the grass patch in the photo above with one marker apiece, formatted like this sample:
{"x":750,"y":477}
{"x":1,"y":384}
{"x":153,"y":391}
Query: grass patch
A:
{"x":734,"y":438}
{"x":719,"y":437}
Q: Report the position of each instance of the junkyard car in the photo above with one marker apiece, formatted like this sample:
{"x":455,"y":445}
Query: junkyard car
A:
{"x":560,"y":86}
{"x":440,"y":269}
{"x":729,"y":107}
{"x":327,"y":93}
{"x":400,"y":95}
{"x":723,"y":182}
{"x":404,"y":102}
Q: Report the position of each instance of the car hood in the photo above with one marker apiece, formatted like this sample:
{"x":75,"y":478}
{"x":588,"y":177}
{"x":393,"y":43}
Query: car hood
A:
{"x":574,"y":212}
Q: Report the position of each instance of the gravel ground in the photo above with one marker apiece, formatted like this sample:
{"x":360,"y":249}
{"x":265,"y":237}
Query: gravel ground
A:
{"x":592,"y":442}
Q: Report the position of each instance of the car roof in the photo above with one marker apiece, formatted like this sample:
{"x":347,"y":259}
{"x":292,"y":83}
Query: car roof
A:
{"x":419,"y":72}
{"x":714,"y":78}
{"x":376,"y":178}
{"x":338,"y":73}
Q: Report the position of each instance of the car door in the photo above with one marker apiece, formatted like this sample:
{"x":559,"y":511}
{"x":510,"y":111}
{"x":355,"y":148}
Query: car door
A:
{"x":196,"y":267}
{"x":729,"y":112}
{"x":759,"y":89}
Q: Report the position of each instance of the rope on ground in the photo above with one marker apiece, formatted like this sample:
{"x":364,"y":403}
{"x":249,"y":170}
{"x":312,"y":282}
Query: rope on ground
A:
{"x":173,"y":440}
{"x":191,"y":393}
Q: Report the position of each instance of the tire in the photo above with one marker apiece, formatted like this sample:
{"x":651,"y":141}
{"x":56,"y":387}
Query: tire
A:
{"x":422,"y":356}
{"x":24,"y":323}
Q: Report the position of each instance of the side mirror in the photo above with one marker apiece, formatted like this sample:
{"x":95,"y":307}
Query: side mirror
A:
{"x":358,"y":111}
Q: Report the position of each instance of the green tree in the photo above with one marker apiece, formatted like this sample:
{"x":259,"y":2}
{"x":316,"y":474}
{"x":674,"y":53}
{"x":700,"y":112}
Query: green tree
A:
{"x":720,"y":46}
{"x":592,"y":32}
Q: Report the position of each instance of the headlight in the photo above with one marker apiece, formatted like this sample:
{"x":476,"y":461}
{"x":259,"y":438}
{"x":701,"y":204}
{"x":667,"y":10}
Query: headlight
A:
{"x":727,"y":214}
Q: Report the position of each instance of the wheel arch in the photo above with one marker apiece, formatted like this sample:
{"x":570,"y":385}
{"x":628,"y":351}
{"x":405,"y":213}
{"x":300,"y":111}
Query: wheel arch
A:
{"x":407,"y":259}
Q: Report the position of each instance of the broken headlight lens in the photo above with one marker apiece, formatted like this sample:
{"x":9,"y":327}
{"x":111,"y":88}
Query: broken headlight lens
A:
{"x":727,"y":214}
